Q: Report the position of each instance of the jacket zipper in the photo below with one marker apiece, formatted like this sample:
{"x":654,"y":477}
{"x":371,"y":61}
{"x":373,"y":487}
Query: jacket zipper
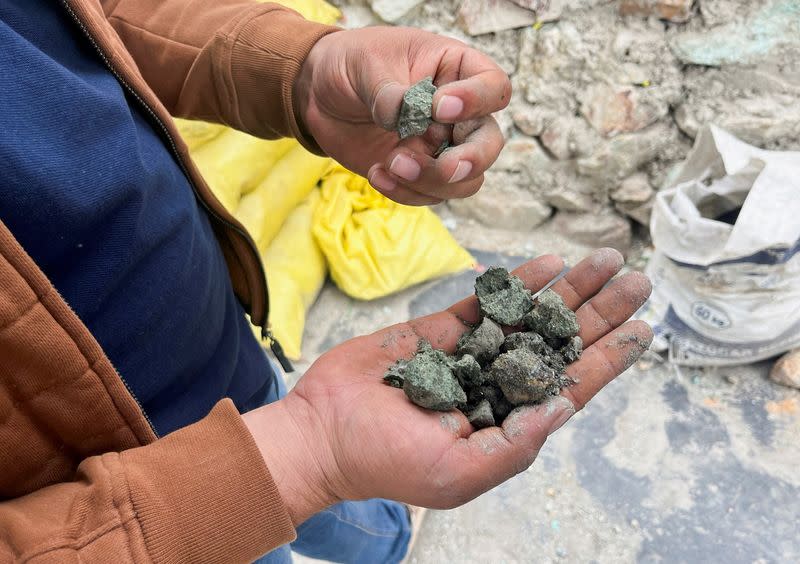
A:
{"x":266,"y":333}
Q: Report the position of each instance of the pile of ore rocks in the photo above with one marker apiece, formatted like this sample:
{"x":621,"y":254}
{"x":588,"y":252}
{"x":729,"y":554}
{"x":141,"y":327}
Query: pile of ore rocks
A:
{"x":491,"y":372}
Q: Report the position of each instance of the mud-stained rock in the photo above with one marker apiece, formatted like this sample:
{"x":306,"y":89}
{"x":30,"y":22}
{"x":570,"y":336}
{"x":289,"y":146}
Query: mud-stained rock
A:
{"x":524,"y":377}
{"x":429,"y":382}
{"x":503,"y":296}
{"x":551,"y":318}
{"x":482,"y":416}
{"x":483,"y":344}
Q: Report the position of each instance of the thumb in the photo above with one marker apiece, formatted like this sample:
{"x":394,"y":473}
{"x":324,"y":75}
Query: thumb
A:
{"x":544,"y":419}
{"x":493,"y":455}
{"x":385,"y":103}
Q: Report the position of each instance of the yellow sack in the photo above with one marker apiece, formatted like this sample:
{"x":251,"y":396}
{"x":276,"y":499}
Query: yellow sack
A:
{"x":234,"y":163}
{"x":296,"y":271}
{"x":264,"y":210}
{"x":197,"y":133}
{"x":314,"y":10}
{"x":375,"y":246}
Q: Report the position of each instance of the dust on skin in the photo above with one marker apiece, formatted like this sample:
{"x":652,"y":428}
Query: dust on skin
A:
{"x":623,"y":340}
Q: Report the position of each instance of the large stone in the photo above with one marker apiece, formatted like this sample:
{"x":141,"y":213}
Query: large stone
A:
{"x":477,"y":17}
{"x":719,"y":12}
{"x":502,"y":47}
{"x":518,"y":154}
{"x":770,"y":34}
{"x":757,"y":105}
{"x":635,"y":189}
{"x":531,"y":120}
{"x":598,"y":230}
{"x":534,"y":5}
{"x":560,"y":185}
{"x":621,"y":109}
{"x":393,"y":10}
{"x":672,"y":10}
{"x":355,"y":16}
{"x":787,"y":370}
{"x":623,"y":155}
{"x":503,"y":203}
{"x":640,"y":213}
{"x":568,"y":137}
{"x":634,"y":198}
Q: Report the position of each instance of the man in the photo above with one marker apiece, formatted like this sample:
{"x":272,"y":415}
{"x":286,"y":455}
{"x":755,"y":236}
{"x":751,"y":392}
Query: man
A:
{"x":120,"y":327}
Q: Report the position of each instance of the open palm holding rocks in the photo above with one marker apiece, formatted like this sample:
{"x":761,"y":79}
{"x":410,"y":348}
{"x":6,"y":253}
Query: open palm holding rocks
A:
{"x":347,"y":435}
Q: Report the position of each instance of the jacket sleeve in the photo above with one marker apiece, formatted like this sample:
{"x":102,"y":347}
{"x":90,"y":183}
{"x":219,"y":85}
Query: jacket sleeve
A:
{"x":227,"y":61}
{"x":201,"y":494}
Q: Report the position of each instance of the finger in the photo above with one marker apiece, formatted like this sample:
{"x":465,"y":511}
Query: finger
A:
{"x":605,"y":360}
{"x":387,"y":185}
{"x":493,"y":455}
{"x":454,"y":173}
{"x":386,"y":102}
{"x":589,"y":276}
{"x":612,"y":306}
{"x":482,"y":89}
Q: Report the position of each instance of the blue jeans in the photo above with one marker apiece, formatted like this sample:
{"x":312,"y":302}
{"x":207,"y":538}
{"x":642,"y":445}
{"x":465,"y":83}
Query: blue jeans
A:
{"x":351,"y":532}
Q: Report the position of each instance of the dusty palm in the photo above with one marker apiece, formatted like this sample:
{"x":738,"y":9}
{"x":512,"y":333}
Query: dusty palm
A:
{"x":379,"y":444}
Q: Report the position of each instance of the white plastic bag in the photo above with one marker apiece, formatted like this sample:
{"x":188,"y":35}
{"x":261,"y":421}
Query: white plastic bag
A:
{"x":726,"y":269}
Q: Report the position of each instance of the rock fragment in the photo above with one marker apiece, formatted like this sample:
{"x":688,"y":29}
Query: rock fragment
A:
{"x":601,"y":229}
{"x":477,"y":17}
{"x":393,"y":10}
{"x":503,"y":296}
{"x":483,"y":344}
{"x":416,"y":111}
{"x":534,"y":342}
{"x":429,"y":382}
{"x":524,"y":377}
{"x":551,"y":318}
{"x":678,"y":11}
{"x":395,"y":375}
{"x":787,"y":370}
{"x":468,"y":372}
{"x":482,"y":416}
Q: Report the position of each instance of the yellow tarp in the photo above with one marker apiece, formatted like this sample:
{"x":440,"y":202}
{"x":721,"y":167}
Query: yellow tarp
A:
{"x":375,"y":246}
{"x":297,"y":271}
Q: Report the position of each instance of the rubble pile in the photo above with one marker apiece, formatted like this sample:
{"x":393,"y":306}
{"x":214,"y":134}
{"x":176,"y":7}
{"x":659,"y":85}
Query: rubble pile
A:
{"x":609,"y":95}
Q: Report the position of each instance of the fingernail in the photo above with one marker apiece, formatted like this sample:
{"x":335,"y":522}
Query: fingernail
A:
{"x":449,"y":108}
{"x":382,"y":182}
{"x":558,"y":410}
{"x":406,"y":168}
{"x":462,"y":171}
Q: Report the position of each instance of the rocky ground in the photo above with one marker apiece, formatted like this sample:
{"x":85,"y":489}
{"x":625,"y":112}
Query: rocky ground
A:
{"x":667,"y":464}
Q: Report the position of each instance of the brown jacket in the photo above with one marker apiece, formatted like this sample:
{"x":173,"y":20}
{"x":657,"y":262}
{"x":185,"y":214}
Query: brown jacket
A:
{"x":83,"y":477}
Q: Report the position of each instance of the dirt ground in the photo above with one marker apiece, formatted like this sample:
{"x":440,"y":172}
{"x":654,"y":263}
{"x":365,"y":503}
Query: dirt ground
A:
{"x":666,"y":464}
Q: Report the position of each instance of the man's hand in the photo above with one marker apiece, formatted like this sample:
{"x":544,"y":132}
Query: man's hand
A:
{"x":342,"y":433}
{"x":348,"y":97}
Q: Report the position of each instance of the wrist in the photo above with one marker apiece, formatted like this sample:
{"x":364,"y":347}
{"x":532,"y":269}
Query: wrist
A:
{"x":286,"y":434}
{"x":303,"y":88}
